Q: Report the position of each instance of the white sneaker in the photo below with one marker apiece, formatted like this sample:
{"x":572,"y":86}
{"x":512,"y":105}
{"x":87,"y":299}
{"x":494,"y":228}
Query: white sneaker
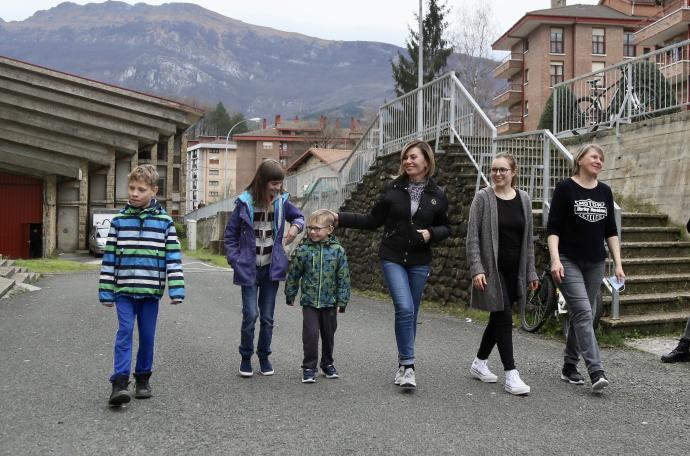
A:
{"x":399,"y":375}
{"x":480,"y":370}
{"x":408,"y":379}
{"x":514,"y":384}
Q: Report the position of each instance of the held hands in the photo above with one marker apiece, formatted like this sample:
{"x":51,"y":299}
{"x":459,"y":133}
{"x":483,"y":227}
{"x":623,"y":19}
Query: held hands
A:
{"x":479,"y":282}
{"x":425,"y":234}
{"x":291,"y":234}
{"x":557,"y":271}
{"x":532,"y":285}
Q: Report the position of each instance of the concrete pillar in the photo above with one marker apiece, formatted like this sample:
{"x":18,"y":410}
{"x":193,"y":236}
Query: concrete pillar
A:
{"x":83,"y":204}
{"x":154,"y":154}
{"x":181,"y":145}
{"x":110,"y":181}
{"x":191,"y":234}
{"x":169,"y":174}
{"x":49,"y":215}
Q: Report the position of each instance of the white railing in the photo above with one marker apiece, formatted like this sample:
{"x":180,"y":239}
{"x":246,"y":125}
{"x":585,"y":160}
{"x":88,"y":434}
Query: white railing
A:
{"x":646,"y":86}
{"x":299,"y":183}
{"x":210,"y":210}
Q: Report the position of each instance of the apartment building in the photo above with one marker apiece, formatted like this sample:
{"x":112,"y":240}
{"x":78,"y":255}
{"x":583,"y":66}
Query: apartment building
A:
{"x":211,"y":170}
{"x":552,"y":45}
{"x":287,"y":140}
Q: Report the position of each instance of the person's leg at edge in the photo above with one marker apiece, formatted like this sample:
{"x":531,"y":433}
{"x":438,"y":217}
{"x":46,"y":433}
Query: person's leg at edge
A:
{"x":578,"y":283}
{"x":268,"y":289}
{"x":122,"y":351}
{"x":398,"y":285}
{"x":147,"y":316}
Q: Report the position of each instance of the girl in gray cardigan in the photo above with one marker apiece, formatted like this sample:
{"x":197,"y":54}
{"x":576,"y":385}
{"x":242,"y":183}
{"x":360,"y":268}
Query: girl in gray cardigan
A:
{"x":500,"y":252}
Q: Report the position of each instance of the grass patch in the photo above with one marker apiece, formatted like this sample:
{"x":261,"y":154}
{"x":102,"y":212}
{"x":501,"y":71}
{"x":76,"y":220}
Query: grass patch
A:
{"x":54,"y":266}
{"x":203,"y":254}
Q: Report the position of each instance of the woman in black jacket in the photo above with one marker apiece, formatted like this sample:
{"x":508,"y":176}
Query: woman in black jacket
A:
{"x":413,"y":211}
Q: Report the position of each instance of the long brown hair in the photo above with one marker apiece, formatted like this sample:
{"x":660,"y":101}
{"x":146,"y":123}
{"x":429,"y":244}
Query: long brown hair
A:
{"x":269,"y":170}
{"x":427,"y":151}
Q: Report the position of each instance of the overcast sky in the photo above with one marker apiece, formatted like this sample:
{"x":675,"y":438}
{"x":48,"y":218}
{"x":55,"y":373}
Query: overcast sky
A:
{"x":367,"y":20}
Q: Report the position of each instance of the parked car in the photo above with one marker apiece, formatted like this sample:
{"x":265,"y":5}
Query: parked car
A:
{"x":97,"y":239}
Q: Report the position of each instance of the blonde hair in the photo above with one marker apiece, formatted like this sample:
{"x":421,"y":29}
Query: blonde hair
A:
{"x":269,"y":170}
{"x":427,"y":151}
{"x":513,"y":165}
{"x":322,"y":214}
{"x":582,"y":151}
{"x":146,"y":174}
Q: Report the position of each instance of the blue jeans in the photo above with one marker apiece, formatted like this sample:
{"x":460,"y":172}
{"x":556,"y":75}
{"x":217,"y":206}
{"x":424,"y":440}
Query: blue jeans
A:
{"x":406,"y":285}
{"x":145,"y":311}
{"x":258,"y":301}
{"x":580,"y":287}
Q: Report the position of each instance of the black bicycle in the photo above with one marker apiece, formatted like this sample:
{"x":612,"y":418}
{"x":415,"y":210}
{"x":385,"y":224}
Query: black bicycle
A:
{"x":545,"y":302}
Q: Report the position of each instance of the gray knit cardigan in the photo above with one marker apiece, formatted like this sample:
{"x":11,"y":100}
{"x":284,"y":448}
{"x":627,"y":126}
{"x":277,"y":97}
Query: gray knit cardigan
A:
{"x":482,"y":250}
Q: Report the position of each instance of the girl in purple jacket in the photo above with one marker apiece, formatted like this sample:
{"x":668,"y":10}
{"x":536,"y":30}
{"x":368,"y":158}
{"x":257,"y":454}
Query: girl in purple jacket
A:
{"x":254,"y":249}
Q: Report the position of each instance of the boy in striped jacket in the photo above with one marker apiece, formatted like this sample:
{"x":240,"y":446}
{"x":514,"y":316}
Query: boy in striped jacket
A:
{"x":141,"y":253}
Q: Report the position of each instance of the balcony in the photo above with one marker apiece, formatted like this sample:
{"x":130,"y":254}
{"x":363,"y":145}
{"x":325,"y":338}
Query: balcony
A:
{"x":509,"y":125}
{"x":676,"y":72}
{"x":508,"y":96}
{"x":672,"y":22}
{"x":508,"y":67}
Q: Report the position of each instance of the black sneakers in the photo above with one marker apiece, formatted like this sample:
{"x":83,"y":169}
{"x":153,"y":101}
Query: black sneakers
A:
{"x":679,"y":354}
{"x":571,"y":375}
{"x":329,"y":371}
{"x":120,"y":394}
{"x":308,"y":375}
{"x":142,"y":390}
{"x":599,"y":381}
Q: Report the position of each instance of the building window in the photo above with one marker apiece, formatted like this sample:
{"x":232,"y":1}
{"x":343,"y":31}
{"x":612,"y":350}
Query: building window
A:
{"x":213,"y":183}
{"x":557,"y":40}
{"x":212,"y":194}
{"x":268,"y":145}
{"x":599,"y":66}
{"x":213,"y":172}
{"x":598,"y":41}
{"x":556,"y":73}
{"x":526,"y":75}
{"x":526,"y":108}
{"x":213,"y":161}
{"x":628,"y":46}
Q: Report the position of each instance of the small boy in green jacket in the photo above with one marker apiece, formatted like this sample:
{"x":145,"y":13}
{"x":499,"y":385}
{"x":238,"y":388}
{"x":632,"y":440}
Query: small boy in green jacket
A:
{"x":320,"y":267}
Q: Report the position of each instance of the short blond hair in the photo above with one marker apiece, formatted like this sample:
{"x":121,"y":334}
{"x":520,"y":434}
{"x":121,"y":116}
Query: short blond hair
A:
{"x":427,"y":151}
{"x":582,"y":151}
{"x":146,"y":174}
{"x":322,"y":215}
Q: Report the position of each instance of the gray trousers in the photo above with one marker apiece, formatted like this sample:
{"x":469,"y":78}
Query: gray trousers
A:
{"x":317,"y":322}
{"x":580,"y":287}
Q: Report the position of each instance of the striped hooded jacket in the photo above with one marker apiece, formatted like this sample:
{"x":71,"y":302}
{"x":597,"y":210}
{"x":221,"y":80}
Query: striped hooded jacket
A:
{"x":142,"y":249}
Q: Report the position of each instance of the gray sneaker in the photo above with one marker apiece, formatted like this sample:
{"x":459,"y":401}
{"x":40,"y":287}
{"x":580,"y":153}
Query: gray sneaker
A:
{"x":399,"y":375}
{"x":408,"y":379}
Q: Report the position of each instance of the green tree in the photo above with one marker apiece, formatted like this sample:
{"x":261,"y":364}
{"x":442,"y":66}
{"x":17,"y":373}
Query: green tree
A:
{"x":569,"y":116}
{"x":217,"y":122}
{"x":436,"y":50}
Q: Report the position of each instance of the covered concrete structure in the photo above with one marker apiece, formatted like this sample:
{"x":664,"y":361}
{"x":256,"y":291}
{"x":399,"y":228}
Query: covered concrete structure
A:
{"x":81,"y":138}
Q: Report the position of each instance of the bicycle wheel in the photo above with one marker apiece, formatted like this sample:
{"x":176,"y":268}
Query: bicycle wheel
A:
{"x":536,"y":308}
{"x":597,"y":311}
{"x":647,"y":102}
{"x":589,"y":111}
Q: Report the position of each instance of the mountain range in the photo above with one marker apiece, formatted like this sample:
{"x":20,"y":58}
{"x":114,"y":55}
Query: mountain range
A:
{"x":189,"y":53}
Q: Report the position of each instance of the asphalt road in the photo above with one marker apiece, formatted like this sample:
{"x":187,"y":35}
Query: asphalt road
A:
{"x":56,"y":357}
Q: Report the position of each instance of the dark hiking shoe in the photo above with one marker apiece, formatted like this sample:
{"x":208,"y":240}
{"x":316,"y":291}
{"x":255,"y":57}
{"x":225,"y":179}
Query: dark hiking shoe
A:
{"x":120,"y":394}
{"x":679,"y":354}
{"x":265,"y":367}
{"x":599,"y":381}
{"x":571,"y":375}
{"x":246,"y":367}
{"x":142,"y":390}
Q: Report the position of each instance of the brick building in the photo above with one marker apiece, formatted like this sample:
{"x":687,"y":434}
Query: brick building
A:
{"x":553,"y":45}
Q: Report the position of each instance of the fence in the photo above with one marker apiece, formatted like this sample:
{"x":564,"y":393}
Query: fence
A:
{"x":300,"y":183}
{"x":647,"y":86}
{"x":210,"y":210}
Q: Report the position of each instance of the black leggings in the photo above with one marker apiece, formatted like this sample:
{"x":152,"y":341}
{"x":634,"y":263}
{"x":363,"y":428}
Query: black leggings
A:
{"x":499,"y":331}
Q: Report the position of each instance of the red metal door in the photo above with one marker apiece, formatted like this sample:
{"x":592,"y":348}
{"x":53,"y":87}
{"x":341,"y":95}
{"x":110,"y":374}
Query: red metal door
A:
{"x":21,"y":203}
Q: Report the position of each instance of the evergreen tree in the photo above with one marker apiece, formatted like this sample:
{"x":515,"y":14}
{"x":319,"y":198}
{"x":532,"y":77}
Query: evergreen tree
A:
{"x":436,"y":50}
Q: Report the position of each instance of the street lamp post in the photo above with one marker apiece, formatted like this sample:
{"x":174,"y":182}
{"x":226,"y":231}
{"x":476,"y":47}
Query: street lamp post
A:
{"x":225,"y":159}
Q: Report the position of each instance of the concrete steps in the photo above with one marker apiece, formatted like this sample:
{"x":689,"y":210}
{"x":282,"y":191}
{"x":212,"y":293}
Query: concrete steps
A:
{"x":12,"y":276}
{"x":657,"y":286}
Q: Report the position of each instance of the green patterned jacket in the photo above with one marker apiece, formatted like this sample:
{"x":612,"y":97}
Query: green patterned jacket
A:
{"x":320,"y":268}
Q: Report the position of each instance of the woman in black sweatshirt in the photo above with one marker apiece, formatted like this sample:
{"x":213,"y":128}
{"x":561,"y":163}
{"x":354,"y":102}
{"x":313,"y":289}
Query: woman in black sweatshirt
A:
{"x":580,"y":220}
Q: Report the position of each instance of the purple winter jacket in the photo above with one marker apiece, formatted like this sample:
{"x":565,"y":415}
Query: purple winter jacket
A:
{"x":240,"y":243}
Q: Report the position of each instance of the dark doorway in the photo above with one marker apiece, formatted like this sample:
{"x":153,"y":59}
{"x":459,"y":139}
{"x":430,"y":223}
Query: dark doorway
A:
{"x":36,"y":240}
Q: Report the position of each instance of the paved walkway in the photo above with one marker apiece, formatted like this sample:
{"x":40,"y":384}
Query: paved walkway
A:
{"x":56,"y":357}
